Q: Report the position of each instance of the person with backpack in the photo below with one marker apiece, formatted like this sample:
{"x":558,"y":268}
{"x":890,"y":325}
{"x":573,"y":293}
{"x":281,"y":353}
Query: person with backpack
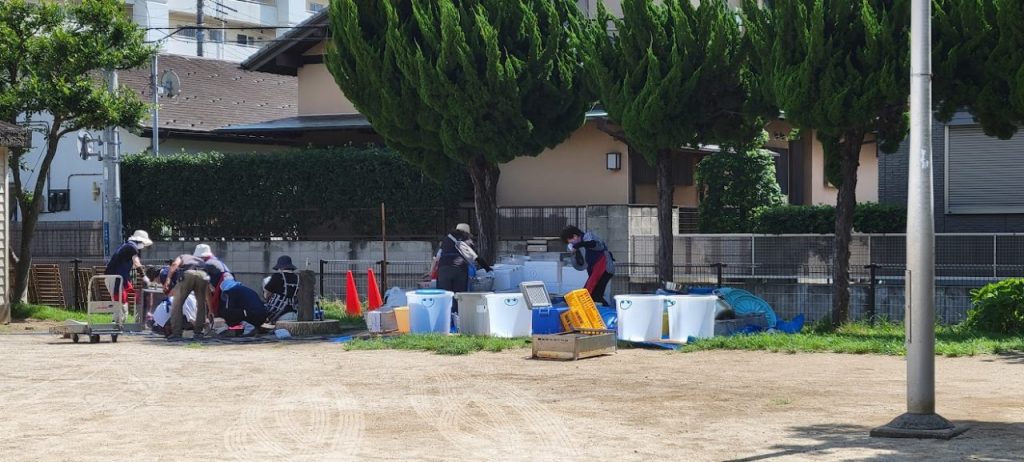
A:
{"x":591,"y":253}
{"x":454,"y":259}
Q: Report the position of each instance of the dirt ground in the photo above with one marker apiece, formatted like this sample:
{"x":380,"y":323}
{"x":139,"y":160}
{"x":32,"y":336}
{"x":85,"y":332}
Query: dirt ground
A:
{"x":144,"y":399}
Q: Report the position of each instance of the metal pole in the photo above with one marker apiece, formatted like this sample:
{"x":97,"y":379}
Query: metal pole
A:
{"x":920,"y":419}
{"x":199,"y":27}
{"x":872,"y":285}
{"x":156,"y":109}
{"x":112,"y":182}
{"x":76,"y":289}
{"x":322,"y":264}
{"x":384,"y":241}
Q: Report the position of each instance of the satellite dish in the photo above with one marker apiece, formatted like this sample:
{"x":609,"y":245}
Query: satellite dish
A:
{"x":84,"y":138}
{"x":170,"y":84}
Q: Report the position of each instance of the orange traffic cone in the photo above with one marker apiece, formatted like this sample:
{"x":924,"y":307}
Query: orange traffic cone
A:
{"x":352,"y":306}
{"x":373,"y":293}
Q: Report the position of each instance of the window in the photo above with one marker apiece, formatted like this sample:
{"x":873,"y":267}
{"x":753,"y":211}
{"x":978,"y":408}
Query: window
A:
{"x":209,"y":35}
{"x":982,"y":173}
{"x":316,"y":7}
{"x":244,"y":39}
{"x":682,"y":170}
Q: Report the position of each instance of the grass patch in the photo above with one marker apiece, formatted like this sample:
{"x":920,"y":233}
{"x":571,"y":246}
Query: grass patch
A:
{"x":49,"y":313}
{"x":440,"y":344}
{"x":862,"y":338}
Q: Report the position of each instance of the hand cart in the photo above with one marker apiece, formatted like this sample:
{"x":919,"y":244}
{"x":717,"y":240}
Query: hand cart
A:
{"x":75,"y":330}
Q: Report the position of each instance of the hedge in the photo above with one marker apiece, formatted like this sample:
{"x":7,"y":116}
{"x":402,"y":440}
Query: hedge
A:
{"x":283,"y":194}
{"x":731,"y":186}
{"x":868,"y":217}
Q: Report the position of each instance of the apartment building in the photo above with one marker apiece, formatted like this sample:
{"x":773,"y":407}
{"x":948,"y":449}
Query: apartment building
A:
{"x":238,"y":28}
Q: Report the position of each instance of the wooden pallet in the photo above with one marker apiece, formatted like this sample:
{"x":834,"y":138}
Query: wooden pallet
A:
{"x":84,"y":275}
{"x":44,"y":285}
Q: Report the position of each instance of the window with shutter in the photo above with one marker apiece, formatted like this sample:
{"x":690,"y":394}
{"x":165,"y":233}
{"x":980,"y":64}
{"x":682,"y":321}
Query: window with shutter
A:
{"x":983,"y":174}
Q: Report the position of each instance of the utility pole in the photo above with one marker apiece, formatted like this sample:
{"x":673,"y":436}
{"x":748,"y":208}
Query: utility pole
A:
{"x":156,"y":110}
{"x":199,"y":27}
{"x":111,"y":181}
{"x":920,"y":420}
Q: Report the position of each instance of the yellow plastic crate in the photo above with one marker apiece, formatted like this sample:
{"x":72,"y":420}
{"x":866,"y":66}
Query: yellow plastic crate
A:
{"x":582,"y":312}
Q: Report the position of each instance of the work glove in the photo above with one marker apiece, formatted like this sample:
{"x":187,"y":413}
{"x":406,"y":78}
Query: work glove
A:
{"x":571,"y":248}
{"x":145,"y":281}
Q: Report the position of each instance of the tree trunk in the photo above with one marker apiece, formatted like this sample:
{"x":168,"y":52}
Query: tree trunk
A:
{"x":31,"y":209}
{"x":28,"y":228}
{"x":849,"y":152}
{"x":485,"y":198}
{"x":666,"y":191}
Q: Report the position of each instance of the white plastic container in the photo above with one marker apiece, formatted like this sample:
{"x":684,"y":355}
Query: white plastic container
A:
{"x":691,"y":316}
{"x":474,"y":316}
{"x":507,"y":277}
{"x":640,"y":317}
{"x":573,"y":279}
{"x":509,"y":315}
{"x":430,"y":310}
{"x":548,"y":272}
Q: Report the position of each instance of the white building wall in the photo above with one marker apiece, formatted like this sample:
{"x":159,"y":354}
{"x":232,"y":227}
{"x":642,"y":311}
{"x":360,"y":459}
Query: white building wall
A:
{"x":84,"y":178}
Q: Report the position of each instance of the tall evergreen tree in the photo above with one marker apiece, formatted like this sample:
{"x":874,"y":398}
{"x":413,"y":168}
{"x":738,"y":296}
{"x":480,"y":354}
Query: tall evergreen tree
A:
{"x":463,"y":83}
{"x":841,"y":68}
{"x":673,"y":76}
{"x":978,"y":62}
{"x":52,"y":56}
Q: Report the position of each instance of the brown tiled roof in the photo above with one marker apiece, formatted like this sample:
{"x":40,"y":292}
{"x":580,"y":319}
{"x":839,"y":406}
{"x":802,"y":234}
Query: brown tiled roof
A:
{"x":13,"y":135}
{"x":215,"y":94}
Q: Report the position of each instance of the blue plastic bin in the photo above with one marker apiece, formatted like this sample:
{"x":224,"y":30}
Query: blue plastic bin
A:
{"x":548,"y":320}
{"x":610,"y":317}
{"x":700,"y":291}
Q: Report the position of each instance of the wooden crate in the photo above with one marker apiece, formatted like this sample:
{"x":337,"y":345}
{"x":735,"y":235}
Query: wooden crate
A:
{"x":574,"y":345}
{"x":44,"y":285}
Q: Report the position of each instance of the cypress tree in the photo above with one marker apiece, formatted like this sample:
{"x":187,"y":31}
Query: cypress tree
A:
{"x":463,"y":83}
{"x":841,"y":68}
{"x":672,"y":75}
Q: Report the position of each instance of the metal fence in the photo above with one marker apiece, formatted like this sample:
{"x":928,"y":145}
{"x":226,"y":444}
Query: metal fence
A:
{"x":793,"y":290}
{"x":333,"y":276}
{"x":956,"y":255}
{"x":61,"y":238}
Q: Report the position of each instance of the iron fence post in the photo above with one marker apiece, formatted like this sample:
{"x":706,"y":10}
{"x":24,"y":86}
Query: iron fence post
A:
{"x":322,"y":264}
{"x":718,"y":271}
{"x":75,"y":289}
{"x":872,"y":285}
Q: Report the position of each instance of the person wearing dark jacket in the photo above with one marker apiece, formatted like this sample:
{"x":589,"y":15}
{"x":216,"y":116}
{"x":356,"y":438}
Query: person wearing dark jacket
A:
{"x":454,"y":259}
{"x":590,"y":252}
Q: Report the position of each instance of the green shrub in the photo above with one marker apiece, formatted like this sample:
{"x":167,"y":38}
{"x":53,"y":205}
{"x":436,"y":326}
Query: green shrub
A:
{"x":732,"y":185}
{"x":868,"y":217}
{"x":288,"y":193}
{"x":875,"y":218}
{"x":998,"y":308}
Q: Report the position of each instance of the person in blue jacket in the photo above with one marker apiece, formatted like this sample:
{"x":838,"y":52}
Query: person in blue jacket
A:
{"x":591,"y":253}
{"x":241,"y":305}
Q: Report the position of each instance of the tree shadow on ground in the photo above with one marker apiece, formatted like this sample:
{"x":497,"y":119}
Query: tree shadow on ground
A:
{"x":1015,"y":357}
{"x":989,"y":441}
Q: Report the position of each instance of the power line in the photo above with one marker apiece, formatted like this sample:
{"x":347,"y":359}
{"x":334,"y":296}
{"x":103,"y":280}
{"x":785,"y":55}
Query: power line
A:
{"x":236,"y":27}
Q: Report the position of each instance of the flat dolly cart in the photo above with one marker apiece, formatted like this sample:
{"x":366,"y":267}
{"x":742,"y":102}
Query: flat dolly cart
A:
{"x":75,"y":330}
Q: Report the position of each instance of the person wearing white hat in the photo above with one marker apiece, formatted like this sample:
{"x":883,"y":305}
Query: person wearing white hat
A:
{"x":125,"y":259}
{"x":186,"y":276}
{"x":218,"y":272}
{"x":453,"y":261}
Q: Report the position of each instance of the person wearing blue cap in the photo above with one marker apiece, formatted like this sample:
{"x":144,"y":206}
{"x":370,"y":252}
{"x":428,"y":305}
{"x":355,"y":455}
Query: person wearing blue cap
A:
{"x":281,"y":290}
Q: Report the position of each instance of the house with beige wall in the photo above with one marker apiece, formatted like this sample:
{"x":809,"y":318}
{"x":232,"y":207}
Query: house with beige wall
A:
{"x":613,"y":174}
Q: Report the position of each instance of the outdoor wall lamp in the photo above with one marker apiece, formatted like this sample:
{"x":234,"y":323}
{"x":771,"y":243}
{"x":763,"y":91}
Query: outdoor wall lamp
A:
{"x":614,"y":161}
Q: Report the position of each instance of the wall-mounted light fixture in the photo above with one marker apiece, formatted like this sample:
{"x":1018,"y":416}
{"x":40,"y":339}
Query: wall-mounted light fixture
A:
{"x":613,"y":161}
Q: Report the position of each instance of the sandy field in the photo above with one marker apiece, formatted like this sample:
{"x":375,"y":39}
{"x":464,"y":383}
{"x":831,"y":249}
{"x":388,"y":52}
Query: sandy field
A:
{"x":143,"y":399}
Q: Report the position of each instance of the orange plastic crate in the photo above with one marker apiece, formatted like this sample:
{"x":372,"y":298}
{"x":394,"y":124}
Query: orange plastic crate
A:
{"x":582,"y":312}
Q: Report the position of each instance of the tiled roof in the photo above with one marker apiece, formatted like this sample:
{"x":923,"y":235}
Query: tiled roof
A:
{"x":13,"y":135}
{"x":215,"y":94}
